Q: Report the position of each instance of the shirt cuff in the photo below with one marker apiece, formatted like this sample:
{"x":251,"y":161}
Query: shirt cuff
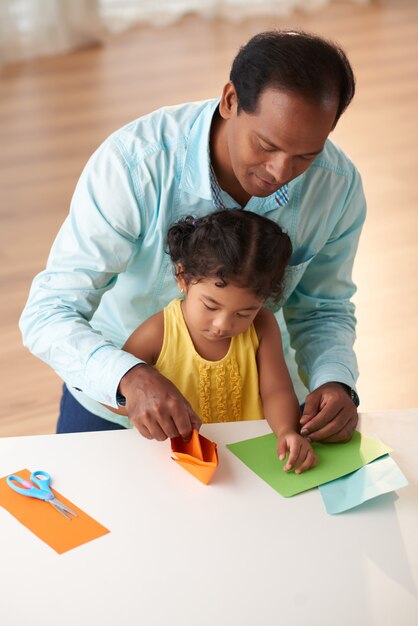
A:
{"x":104,"y":371}
{"x":332,"y":373}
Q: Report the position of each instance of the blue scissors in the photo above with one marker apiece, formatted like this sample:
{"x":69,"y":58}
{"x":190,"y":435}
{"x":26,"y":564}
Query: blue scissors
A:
{"x":38,"y":487}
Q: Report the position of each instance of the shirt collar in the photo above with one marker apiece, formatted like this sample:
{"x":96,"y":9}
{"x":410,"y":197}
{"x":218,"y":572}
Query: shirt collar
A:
{"x":281,"y":196}
{"x":195,"y":177}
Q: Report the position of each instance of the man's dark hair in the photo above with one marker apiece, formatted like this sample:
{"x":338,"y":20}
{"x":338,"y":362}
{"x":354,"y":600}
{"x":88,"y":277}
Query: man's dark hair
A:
{"x":294,"y":61}
{"x":232,"y":246}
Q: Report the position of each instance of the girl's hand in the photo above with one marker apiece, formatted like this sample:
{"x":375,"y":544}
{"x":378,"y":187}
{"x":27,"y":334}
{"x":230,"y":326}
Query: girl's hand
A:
{"x":301,"y":454}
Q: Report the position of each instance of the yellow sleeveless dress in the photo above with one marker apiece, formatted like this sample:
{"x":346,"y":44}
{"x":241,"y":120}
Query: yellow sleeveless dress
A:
{"x":219,"y":391}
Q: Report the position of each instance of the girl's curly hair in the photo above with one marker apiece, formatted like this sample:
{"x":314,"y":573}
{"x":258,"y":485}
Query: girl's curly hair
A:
{"x":234,"y":246}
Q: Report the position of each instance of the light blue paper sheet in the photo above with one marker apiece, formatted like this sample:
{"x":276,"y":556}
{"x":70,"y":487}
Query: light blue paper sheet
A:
{"x":374,"y":479}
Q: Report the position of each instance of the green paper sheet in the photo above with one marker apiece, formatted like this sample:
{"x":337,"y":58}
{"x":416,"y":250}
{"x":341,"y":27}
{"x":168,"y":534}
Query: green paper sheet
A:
{"x":334,"y":460}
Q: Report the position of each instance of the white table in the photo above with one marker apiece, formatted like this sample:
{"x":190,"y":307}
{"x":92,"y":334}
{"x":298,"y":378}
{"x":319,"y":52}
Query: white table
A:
{"x":232,"y":553}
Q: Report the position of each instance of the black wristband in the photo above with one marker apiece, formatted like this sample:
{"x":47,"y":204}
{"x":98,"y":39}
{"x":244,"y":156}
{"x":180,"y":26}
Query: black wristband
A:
{"x":354,"y":397}
{"x":352,"y":393}
{"x":121,"y":400}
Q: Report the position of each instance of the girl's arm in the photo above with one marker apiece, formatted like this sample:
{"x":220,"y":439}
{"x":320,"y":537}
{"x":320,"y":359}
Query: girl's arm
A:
{"x":280,"y":404}
{"x":145,"y":343}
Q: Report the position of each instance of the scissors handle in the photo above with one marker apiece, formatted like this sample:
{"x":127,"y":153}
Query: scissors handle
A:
{"x":38,"y":487}
{"x":41,"y":479}
{"x":41,"y":491}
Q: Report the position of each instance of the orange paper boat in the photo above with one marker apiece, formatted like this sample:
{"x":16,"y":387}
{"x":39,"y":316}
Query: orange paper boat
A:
{"x":198,"y":456}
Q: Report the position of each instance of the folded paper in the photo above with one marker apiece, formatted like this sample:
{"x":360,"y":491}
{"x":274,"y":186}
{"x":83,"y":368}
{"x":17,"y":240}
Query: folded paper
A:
{"x":334,"y":460}
{"x":379,"y":477}
{"x":45,"y":522}
{"x":199,"y":456}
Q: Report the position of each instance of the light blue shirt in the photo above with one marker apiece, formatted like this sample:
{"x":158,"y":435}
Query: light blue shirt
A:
{"x":108,"y":271}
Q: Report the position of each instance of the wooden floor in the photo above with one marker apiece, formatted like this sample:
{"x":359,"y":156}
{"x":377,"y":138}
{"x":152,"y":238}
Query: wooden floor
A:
{"x":55,"y":111}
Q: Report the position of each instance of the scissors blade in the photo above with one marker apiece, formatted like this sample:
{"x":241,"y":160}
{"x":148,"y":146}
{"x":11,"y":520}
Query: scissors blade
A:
{"x":63,"y":508}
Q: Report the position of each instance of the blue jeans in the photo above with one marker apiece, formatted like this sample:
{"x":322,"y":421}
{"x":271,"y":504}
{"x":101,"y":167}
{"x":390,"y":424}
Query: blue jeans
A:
{"x":74,"y":418}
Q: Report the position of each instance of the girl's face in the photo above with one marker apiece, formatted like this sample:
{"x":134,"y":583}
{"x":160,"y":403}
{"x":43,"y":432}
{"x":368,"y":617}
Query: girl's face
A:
{"x":215,"y":314}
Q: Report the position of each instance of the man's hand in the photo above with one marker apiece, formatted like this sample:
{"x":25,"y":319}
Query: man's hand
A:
{"x":329,"y":415}
{"x":301,"y":454}
{"x":155,"y":406}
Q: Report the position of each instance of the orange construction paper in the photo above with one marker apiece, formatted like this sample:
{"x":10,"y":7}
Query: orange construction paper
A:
{"x":45,"y":522}
{"x":199,"y":456}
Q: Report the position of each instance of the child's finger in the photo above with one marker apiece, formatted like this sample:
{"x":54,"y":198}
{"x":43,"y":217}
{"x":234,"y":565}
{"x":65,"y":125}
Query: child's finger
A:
{"x":282,"y":449}
{"x":294,"y":451}
{"x":303,"y":452}
{"x":309,"y":462}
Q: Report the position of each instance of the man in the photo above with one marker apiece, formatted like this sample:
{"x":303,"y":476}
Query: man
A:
{"x":263,"y":147}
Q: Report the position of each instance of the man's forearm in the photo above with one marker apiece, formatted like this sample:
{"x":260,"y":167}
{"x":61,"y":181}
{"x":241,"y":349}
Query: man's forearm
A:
{"x":324,"y":347}
{"x":59,"y":335}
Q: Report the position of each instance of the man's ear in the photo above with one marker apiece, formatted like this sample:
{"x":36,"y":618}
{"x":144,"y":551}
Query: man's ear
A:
{"x":228,"y":105}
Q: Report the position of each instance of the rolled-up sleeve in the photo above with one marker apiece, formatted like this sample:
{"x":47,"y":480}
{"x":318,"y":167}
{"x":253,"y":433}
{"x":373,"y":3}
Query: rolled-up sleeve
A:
{"x":319,"y":314}
{"x":94,"y":245}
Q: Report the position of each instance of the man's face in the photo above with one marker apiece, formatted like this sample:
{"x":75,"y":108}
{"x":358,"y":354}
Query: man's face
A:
{"x":267,"y":149}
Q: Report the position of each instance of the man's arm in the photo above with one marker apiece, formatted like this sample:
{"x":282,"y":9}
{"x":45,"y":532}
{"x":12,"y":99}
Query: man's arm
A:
{"x":143,"y":387}
{"x":94,"y":246}
{"x":320,"y":318}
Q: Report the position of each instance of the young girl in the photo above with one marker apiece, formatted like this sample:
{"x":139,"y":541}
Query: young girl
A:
{"x":217,"y":343}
